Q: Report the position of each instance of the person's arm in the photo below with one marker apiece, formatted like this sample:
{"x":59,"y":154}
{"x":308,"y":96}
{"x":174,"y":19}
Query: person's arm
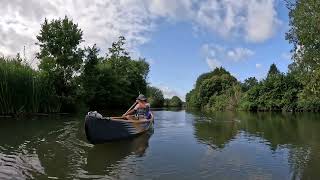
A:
{"x":131,"y":111}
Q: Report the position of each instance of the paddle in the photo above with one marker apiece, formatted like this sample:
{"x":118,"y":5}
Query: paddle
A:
{"x":126,"y":112}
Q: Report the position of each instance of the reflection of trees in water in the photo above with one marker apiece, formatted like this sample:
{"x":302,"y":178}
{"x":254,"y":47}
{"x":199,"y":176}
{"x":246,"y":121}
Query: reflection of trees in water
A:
{"x":276,"y":128}
{"x":216,"y":130}
{"x":299,"y":133}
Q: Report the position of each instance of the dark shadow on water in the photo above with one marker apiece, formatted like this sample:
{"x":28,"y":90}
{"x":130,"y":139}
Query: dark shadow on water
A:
{"x":103,"y":157}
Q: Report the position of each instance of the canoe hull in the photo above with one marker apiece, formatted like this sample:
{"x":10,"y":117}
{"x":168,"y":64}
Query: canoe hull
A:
{"x":100,"y":130}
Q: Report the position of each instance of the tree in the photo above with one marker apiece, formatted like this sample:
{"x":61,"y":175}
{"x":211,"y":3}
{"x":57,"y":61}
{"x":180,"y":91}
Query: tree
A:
{"x":209,"y":89}
{"x":61,"y":58}
{"x":249,"y":83}
{"x":90,"y":75}
{"x":155,"y":96}
{"x":273,"y":70}
{"x":304,"y":33}
{"x":166,"y":102}
{"x":175,"y":101}
{"x":113,"y":81}
{"x":305,"y":37}
{"x":59,"y":41}
{"x":275,"y":93}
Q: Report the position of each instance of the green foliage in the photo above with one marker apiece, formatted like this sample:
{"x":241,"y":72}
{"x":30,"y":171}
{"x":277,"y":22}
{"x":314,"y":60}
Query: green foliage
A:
{"x":249,"y":83}
{"x":214,"y":91}
{"x":275,"y":93}
{"x":222,"y":92}
{"x":155,"y":97}
{"x":305,"y":37}
{"x":24,"y":90}
{"x":69,"y":76}
{"x":192,"y":99}
{"x":175,"y":101}
{"x":273,"y":70}
{"x":61,"y":58}
{"x":166,"y":102}
{"x":59,"y":41}
{"x":309,"y":98}
{"x":113,"y":81}
{"x":304,"y":33}
{"x":90,"y":75}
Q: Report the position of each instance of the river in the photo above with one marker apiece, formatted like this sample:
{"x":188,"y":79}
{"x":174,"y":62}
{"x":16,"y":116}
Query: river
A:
{"x":182,"y":145}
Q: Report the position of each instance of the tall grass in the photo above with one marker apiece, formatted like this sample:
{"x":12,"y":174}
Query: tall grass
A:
{"x":24,"y":90}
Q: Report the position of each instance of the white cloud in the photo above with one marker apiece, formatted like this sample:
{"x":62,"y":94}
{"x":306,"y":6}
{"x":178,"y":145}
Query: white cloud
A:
{"x":258,"y":65}
{"x":170,"y":92}
{"x":261,"y":20}
{"x":255,"y":20}
{"x":215,"y":54}
{"x":172,"y":9}
{"x":238,"y":54}
{"x":103,"y":21}
{"x":213,"y":63}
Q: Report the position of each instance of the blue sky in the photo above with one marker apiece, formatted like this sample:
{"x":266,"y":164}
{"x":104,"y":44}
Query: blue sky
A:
{"x":177,"y":58}
{"x":180,"y":38}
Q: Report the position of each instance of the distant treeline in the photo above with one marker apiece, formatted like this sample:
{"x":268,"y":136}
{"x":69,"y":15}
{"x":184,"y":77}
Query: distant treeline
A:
{"x":156,"y":99}
{"x":297,"y":90}
{"x":70,"y":77}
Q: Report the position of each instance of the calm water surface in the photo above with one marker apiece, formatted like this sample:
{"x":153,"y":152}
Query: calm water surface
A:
{"x":183,"y":145}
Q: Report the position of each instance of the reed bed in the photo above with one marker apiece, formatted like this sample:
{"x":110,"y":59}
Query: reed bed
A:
{"x":24,"y":90}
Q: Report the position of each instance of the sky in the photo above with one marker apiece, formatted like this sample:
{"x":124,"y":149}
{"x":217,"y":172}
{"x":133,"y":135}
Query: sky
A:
{"x":181,"y":39}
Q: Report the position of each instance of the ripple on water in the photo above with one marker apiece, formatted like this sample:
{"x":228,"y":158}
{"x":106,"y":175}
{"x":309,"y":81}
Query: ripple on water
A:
{"x":19,"y":166}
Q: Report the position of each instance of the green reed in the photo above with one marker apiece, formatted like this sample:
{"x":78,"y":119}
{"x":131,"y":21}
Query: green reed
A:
{"x":24,"y":90}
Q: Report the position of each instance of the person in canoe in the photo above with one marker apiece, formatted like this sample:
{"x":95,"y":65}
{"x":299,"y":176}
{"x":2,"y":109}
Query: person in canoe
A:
{"x":140,"y":111}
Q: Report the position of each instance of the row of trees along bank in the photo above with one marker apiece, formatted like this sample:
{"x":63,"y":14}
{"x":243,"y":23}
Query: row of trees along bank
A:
{"x":297,"y":90}
{"x":69,"y":76}
{"x":156,"y":99}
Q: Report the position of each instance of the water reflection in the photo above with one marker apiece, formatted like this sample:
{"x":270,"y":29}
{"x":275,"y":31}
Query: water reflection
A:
{"x":295,"y":134}
{"x":56,"y":147}
{"x":184,"y":145}
{"x":102,"y":158}
{"x":216,"y":129}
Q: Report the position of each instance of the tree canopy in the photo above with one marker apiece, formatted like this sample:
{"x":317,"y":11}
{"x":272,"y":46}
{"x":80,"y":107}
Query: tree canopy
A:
{"x":155,"y":97}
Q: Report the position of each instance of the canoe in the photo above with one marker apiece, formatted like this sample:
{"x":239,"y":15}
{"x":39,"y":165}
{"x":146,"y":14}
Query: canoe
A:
{"x":101,"y":129}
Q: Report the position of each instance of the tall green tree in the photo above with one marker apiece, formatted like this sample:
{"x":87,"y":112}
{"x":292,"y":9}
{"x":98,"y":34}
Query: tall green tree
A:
{"x":214,"y":91}
{"x":90,"y":75}
{"x":130,"y":74}
{"x":59,"y":42}
{"x":115,"y":80}
{"x":304,"y":33}
{"x":61,"y":58}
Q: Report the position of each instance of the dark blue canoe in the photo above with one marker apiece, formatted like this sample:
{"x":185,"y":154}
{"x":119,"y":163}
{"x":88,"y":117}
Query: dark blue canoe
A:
{"x":100,"y":129}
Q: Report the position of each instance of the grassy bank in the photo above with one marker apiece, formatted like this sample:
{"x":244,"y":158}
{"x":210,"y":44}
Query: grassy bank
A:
{"x":24,"y":90}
